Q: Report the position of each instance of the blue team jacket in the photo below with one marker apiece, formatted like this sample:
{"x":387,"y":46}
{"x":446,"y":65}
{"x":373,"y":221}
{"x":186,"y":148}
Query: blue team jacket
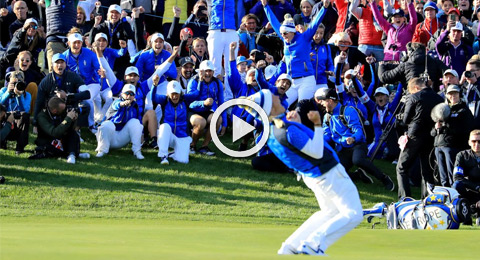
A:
{"x":86,"y":65}
{"x":123,"y":114}
{"x":175,"y":116}
{"x":147,"y":61}
{"x":222,"y":15}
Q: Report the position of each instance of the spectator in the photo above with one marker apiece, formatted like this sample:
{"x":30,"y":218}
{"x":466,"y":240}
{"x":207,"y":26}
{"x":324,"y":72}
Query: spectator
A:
{"x":349,"y":138}
{"x":370,"y":32}
{"x":399,"y":33}
{"x":472,"y":94}
{"x":173,"y":131}
{"x":17,"y":102}
{"x":199,"y":53}
{"x":453,"y":17}
{"x":299,"y":66}
{"x":122,"y":125}
{"x":453,"y":52}
{"x":321,"y":58}
{"x":417,"y":116}
{"x":56,"y":132}
{"x":271,"y":42}
{"x":198,"y":20}
{"x":467,"y":173}
{"x":21,"y":10}
{"x":29,"y":38}
{"x":425,"y":29}
{"x":61,"y":82}
{"x":303,"y":19}
{"x":205,"y":96}
{"x":186,"y":37}
{"x":82,"y":23}
{"x":451,"y":134}
{"x":247,"y":32}
{"x":186,"y":72}
{"x":279,"y":9}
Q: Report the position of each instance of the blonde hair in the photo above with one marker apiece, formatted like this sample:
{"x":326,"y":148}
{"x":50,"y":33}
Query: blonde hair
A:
{"x":342,"y":36}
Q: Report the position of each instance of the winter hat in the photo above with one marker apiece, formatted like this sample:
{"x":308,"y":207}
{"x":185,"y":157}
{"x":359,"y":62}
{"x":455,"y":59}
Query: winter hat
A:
{"x":262,"y":98}
{"x":288,"y":24}
{"x":430,"y":5}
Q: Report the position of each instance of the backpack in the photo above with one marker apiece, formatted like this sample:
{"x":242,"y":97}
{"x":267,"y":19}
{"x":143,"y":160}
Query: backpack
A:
{"x":328,"y":118}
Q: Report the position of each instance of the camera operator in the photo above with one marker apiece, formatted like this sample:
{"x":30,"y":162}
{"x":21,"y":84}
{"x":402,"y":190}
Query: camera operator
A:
{"x":6,"y":124}
{"x":56,"y":132}
{"x":472,"y":95}
{"x":17,"y":102}
{"x":62,"y":83}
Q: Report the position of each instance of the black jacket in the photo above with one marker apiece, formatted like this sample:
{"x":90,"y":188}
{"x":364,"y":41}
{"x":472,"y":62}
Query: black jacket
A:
{"x":417,"y":112}
{"x":71,"y":81}
{"x":306,"y":105}
{"x":467,"y":161}
{"x":414,"y":66}
{"x":19,"y":44}
{"x":456,"y":129}
{"x":354,"y":56}
{"x":473,"y":99}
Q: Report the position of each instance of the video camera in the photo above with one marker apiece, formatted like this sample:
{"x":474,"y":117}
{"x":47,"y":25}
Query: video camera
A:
{"x":20,"y":86}
{"x":71,"y":104}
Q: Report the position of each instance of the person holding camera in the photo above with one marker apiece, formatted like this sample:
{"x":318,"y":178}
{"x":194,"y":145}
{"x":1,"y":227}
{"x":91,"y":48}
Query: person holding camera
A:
{"x":198,"y":20}
{"x":56,"y":132}
{"x":472,"y":94}
{"x":452,"y":50}
{"x":17,"y":102}
{"x":62,"y":83}
{"x":6,"y":123}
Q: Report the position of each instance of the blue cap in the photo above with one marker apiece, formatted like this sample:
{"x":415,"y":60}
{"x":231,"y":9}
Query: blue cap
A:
{"x":58,"y":56}
{"x":241,"y":59}
{"x":399,"y":12}
{"x":430,"y":5}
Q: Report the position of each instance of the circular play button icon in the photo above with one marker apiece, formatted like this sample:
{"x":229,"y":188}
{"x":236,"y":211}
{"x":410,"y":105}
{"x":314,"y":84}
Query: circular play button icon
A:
{"x":240,"y":127}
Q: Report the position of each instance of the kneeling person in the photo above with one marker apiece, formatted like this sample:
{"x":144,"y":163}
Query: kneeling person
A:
{"x":123,"y":125}
{"x":173,"y":131}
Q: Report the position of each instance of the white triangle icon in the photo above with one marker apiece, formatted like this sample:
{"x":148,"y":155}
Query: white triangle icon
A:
{"x":240,"y":128}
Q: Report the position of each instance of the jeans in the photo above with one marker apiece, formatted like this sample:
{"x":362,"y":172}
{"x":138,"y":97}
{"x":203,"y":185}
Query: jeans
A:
{"x":445,"y":161}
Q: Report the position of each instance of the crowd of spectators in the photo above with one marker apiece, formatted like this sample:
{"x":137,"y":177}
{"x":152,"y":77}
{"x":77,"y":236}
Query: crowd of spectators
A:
{"x":394,"y":79}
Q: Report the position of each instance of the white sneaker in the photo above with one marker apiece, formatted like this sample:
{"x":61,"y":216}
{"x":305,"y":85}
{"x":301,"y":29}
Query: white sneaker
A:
{"x":164,"y":160}
{"x":71,"y":159}
{"x":100,"y":154}
{"x":139,"y":155}
{"x":307,"y":249}
{"x":84,"y":155}
{"x":287,"y":249}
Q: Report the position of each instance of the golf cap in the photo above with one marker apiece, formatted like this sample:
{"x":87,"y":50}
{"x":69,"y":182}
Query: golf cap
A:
{"x":58,"y":56}
{"x":326,"y":93}
{"x":250,"y":72}
{"x":399,"y":12}
{"x":186,"y":60}
{"x":101,"y":35}
{"x":381,"y":90}
{"x":241,"y":59}
{"x":115,"y":8}
{"x":454,"y":88}
{"x":155,"y":36}
{"x":454,"y":10}
{"x":130,"y":70}
{"x":186,"y":30}
{"x":128,"y":88}
{"x":458,"y":27}
{"x":264,"y":99}
{"x":287,"y":77}
{"x":75,"y":37}
{"x":206,"y":65}
{"x":270,"y":71}
{"x":31,"y":20}
{"x":450,"y":71}
{"x":174,"y":87}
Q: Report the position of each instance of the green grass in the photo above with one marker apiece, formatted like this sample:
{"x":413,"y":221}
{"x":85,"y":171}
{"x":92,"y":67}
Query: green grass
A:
{"x":119,"y":207}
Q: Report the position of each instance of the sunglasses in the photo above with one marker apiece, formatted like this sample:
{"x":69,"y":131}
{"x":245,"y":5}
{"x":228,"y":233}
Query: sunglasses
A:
{"x":129,"y":93}
{"x":34,"y":27}
{"x":475,"y":141}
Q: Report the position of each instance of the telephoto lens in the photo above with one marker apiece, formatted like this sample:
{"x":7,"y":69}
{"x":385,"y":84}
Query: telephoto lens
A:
{"x":468,"y":74}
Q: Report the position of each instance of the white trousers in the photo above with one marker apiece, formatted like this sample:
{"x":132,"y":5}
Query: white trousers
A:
{"x":108,"y":137}
{"x":167,"y":139}
{"x":341,"y":210}
{"x":94,"y":90}
{"x":302,"y":88}
{"x":106,"y":96}
{"x":218,"y":46}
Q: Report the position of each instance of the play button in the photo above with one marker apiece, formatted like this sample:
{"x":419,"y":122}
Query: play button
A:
{"x":240,"y":127}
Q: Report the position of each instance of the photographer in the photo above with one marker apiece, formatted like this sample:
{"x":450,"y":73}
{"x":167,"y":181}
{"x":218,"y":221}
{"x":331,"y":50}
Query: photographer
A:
{"x":17,"y":102}
{"x":62,"y":83}
{"x":56,"y":132}
{"x":6,"y":124}
{"x":452,"y":50}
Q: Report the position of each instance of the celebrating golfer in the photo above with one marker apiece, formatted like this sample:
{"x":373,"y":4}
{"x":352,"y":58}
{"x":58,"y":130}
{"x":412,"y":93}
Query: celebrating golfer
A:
{"x":316,"y":162}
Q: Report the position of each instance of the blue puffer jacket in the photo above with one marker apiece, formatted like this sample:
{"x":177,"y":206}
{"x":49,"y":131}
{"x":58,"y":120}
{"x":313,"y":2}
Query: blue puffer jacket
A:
{"x":21,"y":103}
{"x":86,"y":65}
{"x":321,"y":61}
{"x":147,"y":61}
{"x":121,"y":115}
{"x":198,"y":93}
{"x":175,"y":116}
{"x":337,"y":132}
{"x":222,"y":15}
{"x":296,"y":54}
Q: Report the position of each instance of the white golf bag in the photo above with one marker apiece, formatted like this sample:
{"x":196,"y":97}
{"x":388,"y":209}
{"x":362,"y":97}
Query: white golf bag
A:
{"x":442,"y":209}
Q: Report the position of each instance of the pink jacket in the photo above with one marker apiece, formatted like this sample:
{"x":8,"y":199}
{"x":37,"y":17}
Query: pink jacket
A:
{"x":396,"y":37}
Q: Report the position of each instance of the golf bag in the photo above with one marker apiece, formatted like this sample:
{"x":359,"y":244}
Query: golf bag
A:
{"x":442,"y":209}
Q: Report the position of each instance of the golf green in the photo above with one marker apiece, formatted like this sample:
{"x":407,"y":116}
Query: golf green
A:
{"x":93,"y":238}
